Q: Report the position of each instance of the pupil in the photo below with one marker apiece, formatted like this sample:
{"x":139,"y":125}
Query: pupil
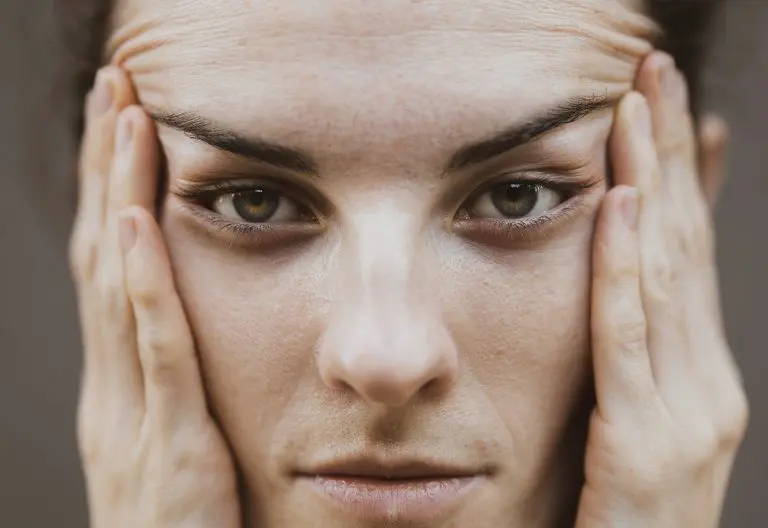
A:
{"x":257,"y":205}
{"x":515,"y":200}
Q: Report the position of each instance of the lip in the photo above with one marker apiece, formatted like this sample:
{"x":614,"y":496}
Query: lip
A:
{"x":404,"y":491}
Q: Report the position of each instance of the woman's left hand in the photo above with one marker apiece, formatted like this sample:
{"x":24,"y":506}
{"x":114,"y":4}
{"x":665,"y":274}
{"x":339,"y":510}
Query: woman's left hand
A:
{"x":671,"y":410}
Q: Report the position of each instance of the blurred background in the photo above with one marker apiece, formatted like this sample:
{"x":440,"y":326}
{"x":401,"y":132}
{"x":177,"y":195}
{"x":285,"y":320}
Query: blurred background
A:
{"x":40,"y":479}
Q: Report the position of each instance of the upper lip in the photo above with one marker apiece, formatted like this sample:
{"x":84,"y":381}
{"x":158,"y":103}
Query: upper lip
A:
{"x":367,"y":467}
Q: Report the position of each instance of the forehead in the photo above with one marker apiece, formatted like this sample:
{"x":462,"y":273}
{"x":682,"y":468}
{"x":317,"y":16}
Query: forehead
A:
{"x":242,"y":57}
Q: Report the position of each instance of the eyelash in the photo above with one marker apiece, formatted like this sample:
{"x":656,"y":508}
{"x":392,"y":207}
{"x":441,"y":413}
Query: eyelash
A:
{"x":199,"y":198}
{"x":526,"y":229}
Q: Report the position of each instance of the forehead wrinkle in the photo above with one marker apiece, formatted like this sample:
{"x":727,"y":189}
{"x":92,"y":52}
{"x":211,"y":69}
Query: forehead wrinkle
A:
{"x":613,"y":27}
{"x":358,"y":18}
{"x":613,"y":23}
{"x":177,"y":57}
{"x":142,"y":26}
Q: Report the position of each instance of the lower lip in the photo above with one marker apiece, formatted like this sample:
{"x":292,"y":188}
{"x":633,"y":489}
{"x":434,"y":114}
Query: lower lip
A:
{"x":416,"y":500}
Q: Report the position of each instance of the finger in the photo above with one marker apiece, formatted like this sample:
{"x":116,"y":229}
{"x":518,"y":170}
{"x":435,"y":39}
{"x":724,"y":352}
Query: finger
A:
{"x":134,"y":172}
{"x":685,"y":210}
{"x":665,"y":89}
{"x":136,"y":166}
{"x":681,"y":356}
{"x":636,"y":163}
{"x":110,"y":94}
{"x":623,"y":377}
{"x":713,"y":147}
{"x":93,"y":165}
{"x":702,"y":284}
{"x":663,"y":86}
{"x":172,"y":381}
{"x":664,"y":265}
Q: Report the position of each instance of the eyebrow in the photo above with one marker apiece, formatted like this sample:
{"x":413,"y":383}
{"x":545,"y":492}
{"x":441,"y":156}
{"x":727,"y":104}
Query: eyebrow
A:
{"x":518,"y":135}
{"x":199,"y":128}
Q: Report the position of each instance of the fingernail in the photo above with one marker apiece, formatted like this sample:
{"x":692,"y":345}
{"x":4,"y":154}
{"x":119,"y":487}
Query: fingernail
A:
{"x":102,"y":94}
{"x":669,"y":80}
{"x":124,"y":132}
{"x":643,"y":118}
{"x":714,"y":130}
{"x":630,"y":208}
{"x":127,"y":228}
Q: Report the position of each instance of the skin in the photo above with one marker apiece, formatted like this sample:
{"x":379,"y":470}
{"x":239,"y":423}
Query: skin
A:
{"x":400,"y":321}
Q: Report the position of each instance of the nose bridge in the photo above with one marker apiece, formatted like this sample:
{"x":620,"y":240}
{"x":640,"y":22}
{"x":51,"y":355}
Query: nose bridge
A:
{"x":382,"y":259}
{"x":385,"y":339}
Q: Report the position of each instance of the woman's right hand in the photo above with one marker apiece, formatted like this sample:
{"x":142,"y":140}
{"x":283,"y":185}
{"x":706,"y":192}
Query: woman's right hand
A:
{"x":153,"y":456}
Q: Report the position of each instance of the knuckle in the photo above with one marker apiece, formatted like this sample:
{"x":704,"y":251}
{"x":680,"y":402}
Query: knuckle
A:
{"x":157,"y":338}
{"x":145,"y":295}
{"x":615,"y":269}
{"x":88,"y":442}
{"x":83,"y":254}
{"x":161,"y":373}
{"x":701,"y":447}
{"x":196,"y":451}
{"x":112,"y":293}
{"x":735,"y":423}
{"x":629,"y":333}
{"x":90,"y":451}
{"x":188,"y":449}
{"x":677,"y":145}
{"x":698,"y":241}
{"x":159,"y":356}
{"x":663,"y":276}
{"x":623,"y":272}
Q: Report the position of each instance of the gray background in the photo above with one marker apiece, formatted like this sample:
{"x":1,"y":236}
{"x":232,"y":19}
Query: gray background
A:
{"x":40,"y":479}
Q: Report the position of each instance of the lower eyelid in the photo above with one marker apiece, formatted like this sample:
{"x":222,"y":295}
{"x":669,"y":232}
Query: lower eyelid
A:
{"x":242,"y":235}
{"x":504,"y":232}
{"x":495,"y":230}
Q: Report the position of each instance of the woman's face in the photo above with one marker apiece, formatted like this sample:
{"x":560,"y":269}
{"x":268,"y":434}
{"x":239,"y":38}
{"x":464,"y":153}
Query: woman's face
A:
{"x":380,"y":217}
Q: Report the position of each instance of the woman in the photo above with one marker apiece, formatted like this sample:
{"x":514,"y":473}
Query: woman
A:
{"x":355,"y":264}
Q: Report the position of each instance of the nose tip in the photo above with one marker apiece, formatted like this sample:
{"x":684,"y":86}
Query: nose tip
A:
{"x":389,"y":372}
{"x":393,"y":383}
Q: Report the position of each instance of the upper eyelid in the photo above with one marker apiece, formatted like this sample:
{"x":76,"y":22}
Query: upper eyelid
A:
{"x":544,"y":178}
{"x":195,"y":189}
{"x":202,"y":194}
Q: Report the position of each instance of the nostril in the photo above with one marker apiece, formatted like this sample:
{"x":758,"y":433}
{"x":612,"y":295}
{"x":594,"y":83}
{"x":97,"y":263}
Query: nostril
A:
{"x":432,"y":388}
{"x":343,"y":386}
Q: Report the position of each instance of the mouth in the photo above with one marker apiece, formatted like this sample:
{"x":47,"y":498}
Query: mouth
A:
{"x":406,"y":490}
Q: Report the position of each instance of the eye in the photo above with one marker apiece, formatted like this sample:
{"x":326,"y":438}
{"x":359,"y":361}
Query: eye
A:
{"x":257,"y":206}
{"x":514,"y":200}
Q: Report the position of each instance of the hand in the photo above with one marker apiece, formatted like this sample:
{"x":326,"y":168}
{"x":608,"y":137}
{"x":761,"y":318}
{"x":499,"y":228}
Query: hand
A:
{"x":671,"y":411}
{"x":152,"y":454}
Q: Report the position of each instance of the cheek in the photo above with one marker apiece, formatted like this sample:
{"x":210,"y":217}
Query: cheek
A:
{"x":521,"y":322}
{"x":256,"y":323}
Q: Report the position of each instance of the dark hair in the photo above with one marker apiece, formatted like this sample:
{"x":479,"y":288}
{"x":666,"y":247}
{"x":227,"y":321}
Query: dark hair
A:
{"x":685,"y":26}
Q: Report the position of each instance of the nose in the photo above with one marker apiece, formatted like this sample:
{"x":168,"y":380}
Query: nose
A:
{"x":387,"y":356}
{"x":385,"y":340}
